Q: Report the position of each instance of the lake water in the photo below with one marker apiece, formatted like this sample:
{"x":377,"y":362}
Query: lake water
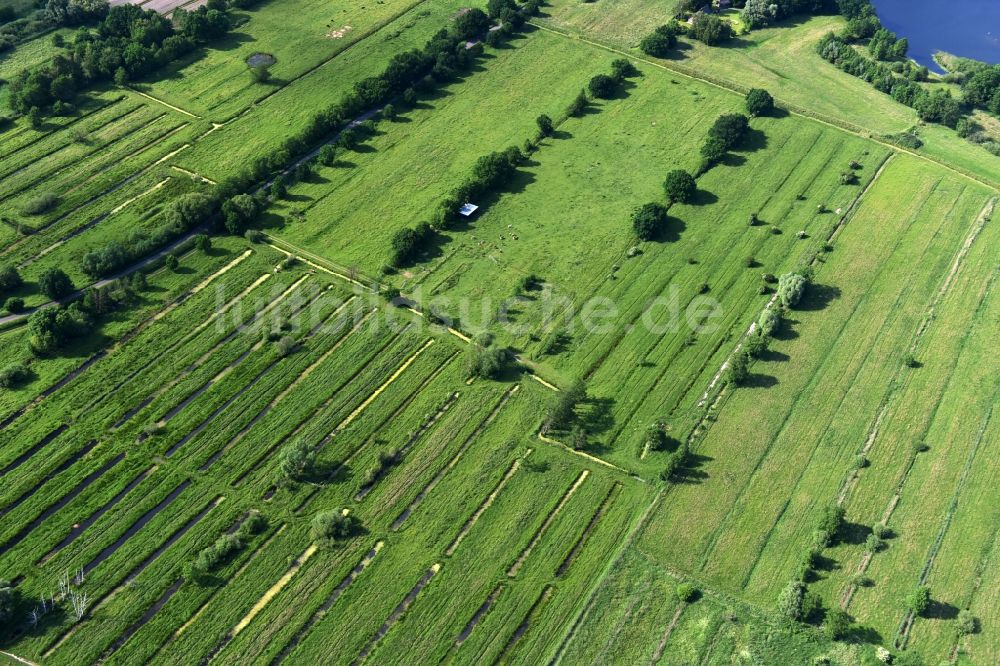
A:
{"x":968,"y":28}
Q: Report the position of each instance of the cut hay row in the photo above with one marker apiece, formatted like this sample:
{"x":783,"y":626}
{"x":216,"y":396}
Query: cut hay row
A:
{"x":486,"y":504}
{"x":135,"y":527}
{"x":514,"y":568}
{"x":62,"y":467}
{"x":455,"y":459}
{"x":81,"y":527}
{"x":585,"y":535}
{"x":59,"y":504}
{"x":397,"y":613}
{"x":138,"y":569}
{"x":111,"y":549}
{"x":522,"y":628}
{"x":328,"y":603}
{"x":666,"y":634}
{"x":275,"y":589}
{"x":61,"y":170}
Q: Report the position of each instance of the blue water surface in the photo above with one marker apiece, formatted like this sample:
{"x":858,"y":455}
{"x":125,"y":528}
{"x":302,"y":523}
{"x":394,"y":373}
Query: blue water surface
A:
{"x":967,"y":28}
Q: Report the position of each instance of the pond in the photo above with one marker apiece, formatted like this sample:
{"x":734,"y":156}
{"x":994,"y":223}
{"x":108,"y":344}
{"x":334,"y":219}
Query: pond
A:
{"x":967,"y":28}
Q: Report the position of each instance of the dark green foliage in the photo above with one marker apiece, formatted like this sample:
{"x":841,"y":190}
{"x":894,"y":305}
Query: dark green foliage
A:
{"x":648,"y":219}
{"x":171,"y":262}
{"x":560,"y":413}
{"x":470,"y":24}
{"x":203,"y":243}
{"x":738,"y":370}
{"x":710,"y":29}
{"x":676,"y":463}
{"x":40,"y":203}
{"x":579,"y":105}
{"x":485,"y":362}
{"x":919,"y":600}
{"x":687,"y":592}
{"x":759,"y":102}
{"x":238,"y":212}
{"x":10,"y":279}
{"x":407,"y":243}
{"x":790,"y":600}
{"x":331,"y":527}
{"x":661,"y":41}
{"x":13,"y":375}
{"x":54,"y":283}
{"x":545,"y":126}
{"x":680,"y":186}
{"x":756,"y":345}
{"x":297,"y":460}
{"x":51,"y":328}
{"x":622,"y":68}
{"x":9,"y":599}
{"x":14,"y":304}
{"x":602,"y":86}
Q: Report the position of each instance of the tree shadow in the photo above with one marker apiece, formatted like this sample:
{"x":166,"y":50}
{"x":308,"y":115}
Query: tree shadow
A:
{"x":670,"y":231}
{"x":786,"y":330}
{"x":940,"y":610}
{"x":752,"y":141}
{"x":760,"y":380}
{"x":817,"y":297}
{"x":772,"y":356}
{"x":860,"y":634}
{"x":703,"y":198}
{"x":852,"y":533}
{"x":596,"y":415}
{"x":692,"y":472}
{"x":733,"y":160}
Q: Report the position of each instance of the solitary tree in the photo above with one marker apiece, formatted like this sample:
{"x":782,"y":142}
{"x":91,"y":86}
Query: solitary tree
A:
{"x":602,"y":86}
{"x":330,"y":527}
{"x":545,"y":126}
{"x":680,"y":186}
{"x":9,"y":278}
{"x":738,"y":370}
{"x":647,"y":220}
{"x":297,"y":460}
{"x":919,"y":600}
{"x":790,"y":600}
{"x":54,"y":283}
{"x":791,"y":286}
{"x":759,"y":102}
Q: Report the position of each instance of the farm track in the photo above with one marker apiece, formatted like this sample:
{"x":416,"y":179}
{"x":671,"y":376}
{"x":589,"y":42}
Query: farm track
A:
{"x":327,"y":604}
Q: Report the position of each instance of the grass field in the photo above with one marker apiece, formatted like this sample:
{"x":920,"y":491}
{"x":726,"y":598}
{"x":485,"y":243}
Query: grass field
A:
{"x":134,"y":448}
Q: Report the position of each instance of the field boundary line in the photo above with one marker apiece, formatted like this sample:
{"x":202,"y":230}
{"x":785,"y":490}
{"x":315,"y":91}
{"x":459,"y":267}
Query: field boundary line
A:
{"x":793,"y":109}
{"x":18,"y":659}
{"x":161,"y":102}
{"x":583,"y":454}
{"x":381,"y":389}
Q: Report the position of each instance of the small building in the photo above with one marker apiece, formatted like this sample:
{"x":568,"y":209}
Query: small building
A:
{"x":468,"y":210}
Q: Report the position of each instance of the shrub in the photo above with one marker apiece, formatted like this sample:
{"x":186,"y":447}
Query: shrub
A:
{"x":255,"y":523}
{"x":545,"y":126}
{"x":837,"y":624}
{"x":710,"y":29}
{"x":769,"y":321}
{"x":966,"y":623}
{"x":297,"y":460}
{"x":738,"y":370}
{"x":622,"y":68}
{"x":202,"y":242}
{"x":756,"y":345}
{"x":328,"y":155}
{"x":14,"y":304}
{"x":657,"y":438}
{"x":579,"y":105}
{"x":831,"y":519}
{"x":51,"y":328}
{"x":660,"y":42}
{"x":873,"y":544}
{"x":14,"y":374}
{"x":286,"y":345}
{"x":238,"y":212}
{"x":218,"y":553}
{"x":648,"y":219}
{"x":40,"y":203}
{"x":680,"y":186}
{"x":791,"y":286}
{"x":919,"y":600}
{"x":602,"y":86}
{"x":759,"y":102}
{"x":330,"y":527}
{"x":54,"y":283}
{"x":687,"y":592}
{"x":881,"y":531}
{"x":485,"y":362}
{"x":10,"y":279}
{"x":790,"y":600}
{"x":560,"y":411}
{"x":172,"y":262}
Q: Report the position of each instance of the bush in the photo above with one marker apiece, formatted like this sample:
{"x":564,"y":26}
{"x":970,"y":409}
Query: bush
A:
{"x":831,"y":519}
{"x":687,"y":592}
{"x":837,"y":624}
{"x":966,"y":623}
{"x":759,"y":102}
{"x":218,"y":553}
{"x":203,"y":243}
{"x":54,"y":283}
{"x":52,"y":328}
{"x":680,"y":186}
{"x":769,"y":321}
{"x":286,"y":345}
{"x":660,"y":42}
{"x":919,"y":600}
{"x":738,"y":370}
{"x":238,"y":212}
{"x":602,"y":86}
{"x":756,"y":345}
{"x":14,"y":305}
{"x":40,"y":203}
{"x":790,"y":600}
{"x":578,"y":106}
{"x":648,"y":219}
{"x":873,"y":544}
{"x":485,"y":362}
{"x":791,"y":286}
{"x":14,"y":374}
{"x":297,"y":460}
{"x":710,"y":29}
{"x":10,"y":279}
{"x":545,"y":126}
{"x":330,"y":527}
{"x":328,"y":155}
{"x":560,"y":412}
{"x":172,"y":262}
{"x":622,"y":68}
